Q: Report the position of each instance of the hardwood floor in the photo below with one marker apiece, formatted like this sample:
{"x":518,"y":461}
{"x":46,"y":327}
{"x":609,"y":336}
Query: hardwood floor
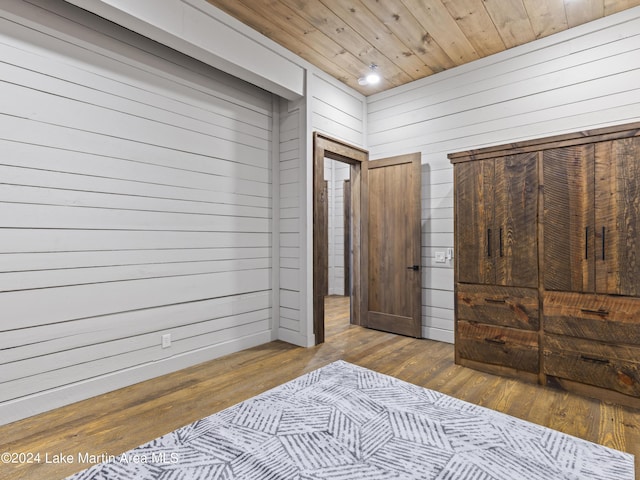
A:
{"x":121,"y":420}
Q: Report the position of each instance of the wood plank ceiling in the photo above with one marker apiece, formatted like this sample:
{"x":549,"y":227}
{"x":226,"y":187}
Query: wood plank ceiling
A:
{"x":408,"y":39}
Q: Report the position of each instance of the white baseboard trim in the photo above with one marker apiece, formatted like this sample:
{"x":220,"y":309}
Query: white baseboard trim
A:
{"x":292,"y":337}
{"x":21,"y":408}
{"x":438,"y":334}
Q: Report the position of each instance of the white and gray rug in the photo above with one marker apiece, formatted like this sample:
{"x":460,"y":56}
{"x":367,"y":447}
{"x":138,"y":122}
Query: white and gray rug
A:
{"x":344,"y":422}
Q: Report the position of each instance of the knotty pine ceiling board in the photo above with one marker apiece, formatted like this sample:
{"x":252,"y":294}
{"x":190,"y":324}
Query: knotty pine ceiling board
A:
{"x":408,"y":39}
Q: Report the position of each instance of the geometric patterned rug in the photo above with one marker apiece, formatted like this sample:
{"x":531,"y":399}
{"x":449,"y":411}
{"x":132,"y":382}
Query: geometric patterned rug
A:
{"x":345,"y":422}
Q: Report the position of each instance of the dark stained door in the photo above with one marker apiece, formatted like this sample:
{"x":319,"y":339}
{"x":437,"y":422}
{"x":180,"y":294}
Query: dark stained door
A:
{"x":496,"y":221}
{"x":474,"y":184}
{"x":617,"y":217}
{"x":569,"y":236}
{"x":393,"y":298}
{"x":515,"y":203}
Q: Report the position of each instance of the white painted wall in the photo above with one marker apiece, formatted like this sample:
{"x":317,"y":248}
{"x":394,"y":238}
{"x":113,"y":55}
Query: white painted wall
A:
{"x":293,"y":325}
{"x":335,"y":110}
{"x":198,"y":29}
{"x":336,"y":173}
{"x":136,"y":201}
{"x":583,"y":78}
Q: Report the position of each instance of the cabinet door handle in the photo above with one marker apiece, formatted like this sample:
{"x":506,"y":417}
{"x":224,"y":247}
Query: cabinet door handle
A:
{"x":501,"y":242}
{"x":488,"y":242}
{"x":495,"y":341}
{"x":601,"y":361}
{"x":603,"y":232}
{"x":602,"y":312}
{"x":586,"y":243}
{"x":495,"y":300}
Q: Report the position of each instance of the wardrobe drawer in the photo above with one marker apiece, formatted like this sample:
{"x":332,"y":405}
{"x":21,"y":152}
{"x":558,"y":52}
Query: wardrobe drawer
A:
{"x":614,"y":367}
{"x":505,"y":306}
{"x":597,"y":317}
{"x":496,"y":345}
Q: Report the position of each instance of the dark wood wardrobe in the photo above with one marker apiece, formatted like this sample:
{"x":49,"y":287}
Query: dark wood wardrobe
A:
{"x":547,"y":261}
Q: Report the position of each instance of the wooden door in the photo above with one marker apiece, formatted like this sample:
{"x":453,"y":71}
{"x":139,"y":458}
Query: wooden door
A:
{"x":569,"y":221}
{"x":393,"y":299}
{"x":475,"y":234}
{"x":617,"y":217}
{"x":515,"y":204}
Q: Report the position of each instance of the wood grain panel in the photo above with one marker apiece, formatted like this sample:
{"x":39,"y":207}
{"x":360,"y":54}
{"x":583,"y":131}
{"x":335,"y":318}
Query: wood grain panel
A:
{"x":438,"y":22}
{"x":597,"y":317}
{"x":324,"y":18}
{"x":393,"y":226}
{"x":516,"y":215}
{"x":583,"y":11}
{"x":475,"y":234}
{"x":476,"y":24}
{"x":514,"y":348}
{"x":617,"y":220}
{"x":615,"y":367}
{"x":400,"y":20}
{"x":546,"y":16}
{"x":569,"y":246}
{"x":495,"y":305}
{"x":511,"y":19}
{"x":361,"y":20}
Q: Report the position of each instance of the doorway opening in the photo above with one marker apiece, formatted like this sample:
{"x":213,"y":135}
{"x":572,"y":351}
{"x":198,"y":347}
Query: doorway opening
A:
{"x":327,"y":149}
{"x":337,"y":299}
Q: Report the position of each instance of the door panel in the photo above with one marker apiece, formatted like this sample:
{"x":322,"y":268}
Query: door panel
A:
{"x":475,"y":235}
{"x":569,"y":246}
{"x":393,"y":245}
{"x":617,"y":222}
{"x":516,"y":211}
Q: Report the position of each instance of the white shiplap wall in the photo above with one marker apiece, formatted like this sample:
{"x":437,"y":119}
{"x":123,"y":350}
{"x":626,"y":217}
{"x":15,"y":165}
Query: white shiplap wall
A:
{"x":292,"y":327}
{"x":583,"y":78}
{"x":336,"y":173}
{"x":335,"y":110}
{"x":339,"y":112}
{"x":135,"y":201}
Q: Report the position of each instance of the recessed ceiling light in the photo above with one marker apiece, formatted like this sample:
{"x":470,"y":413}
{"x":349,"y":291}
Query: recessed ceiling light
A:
{"x":371,"y":78}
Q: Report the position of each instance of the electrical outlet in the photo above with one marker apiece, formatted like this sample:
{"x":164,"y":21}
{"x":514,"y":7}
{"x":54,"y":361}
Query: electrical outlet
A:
{"x":166,"y":340}
{"x":440,"y":257}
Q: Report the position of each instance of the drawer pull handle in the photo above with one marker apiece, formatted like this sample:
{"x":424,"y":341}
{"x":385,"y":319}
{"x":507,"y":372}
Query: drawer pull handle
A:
{"x":602,"y":312}
{"x":495,"y":300}
{"x":602,"y":361}
{"x":496,"y":341}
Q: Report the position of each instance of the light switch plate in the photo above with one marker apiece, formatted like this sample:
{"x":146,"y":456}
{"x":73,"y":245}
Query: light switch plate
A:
{"x":440,"y":257}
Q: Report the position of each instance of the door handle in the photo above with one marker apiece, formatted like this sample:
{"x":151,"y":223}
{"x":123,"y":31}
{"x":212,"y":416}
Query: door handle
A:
{"x":586,"y":243}
{"x":414,"y":267}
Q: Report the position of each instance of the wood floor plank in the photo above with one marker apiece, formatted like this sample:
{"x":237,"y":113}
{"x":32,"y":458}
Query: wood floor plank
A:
{"x":121,"y":420}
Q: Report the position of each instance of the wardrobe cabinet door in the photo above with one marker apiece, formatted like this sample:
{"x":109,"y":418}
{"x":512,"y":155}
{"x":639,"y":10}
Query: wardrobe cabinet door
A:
{"x":475,"y":234}
{"x":569,"y":246}
{"x":516,"y":217}
{"x":617,"y":224}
